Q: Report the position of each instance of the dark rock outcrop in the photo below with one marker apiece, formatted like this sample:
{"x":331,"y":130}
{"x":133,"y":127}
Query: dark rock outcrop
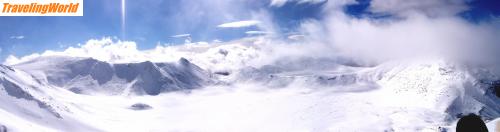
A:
{"x":3,"y":128}
{"x":140,"y":106}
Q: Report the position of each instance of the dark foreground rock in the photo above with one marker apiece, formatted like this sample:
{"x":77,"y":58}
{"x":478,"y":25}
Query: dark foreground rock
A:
{"x":3,"y":128}
{"x":140,"y":106}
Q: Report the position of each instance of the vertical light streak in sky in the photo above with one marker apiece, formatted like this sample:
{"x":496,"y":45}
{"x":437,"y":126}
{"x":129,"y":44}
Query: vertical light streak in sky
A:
{"x":123,"y":20}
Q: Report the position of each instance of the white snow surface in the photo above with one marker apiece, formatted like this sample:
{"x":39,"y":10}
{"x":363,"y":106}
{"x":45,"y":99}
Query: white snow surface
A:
{"x":236,"y":86}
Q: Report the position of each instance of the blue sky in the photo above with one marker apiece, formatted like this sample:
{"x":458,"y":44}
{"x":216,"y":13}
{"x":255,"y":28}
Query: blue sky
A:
{"x":151,"y":21}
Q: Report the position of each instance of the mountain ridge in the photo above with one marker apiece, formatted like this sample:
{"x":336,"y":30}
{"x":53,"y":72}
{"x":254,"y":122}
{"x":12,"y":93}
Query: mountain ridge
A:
{"x":150,"y":78}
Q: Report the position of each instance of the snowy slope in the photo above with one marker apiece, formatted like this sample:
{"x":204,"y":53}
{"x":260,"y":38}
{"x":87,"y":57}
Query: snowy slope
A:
{"x":431,"y":93}
{"x":29,"y":105}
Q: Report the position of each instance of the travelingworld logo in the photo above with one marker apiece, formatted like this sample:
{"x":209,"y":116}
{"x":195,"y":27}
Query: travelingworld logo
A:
{"x":41,"y":7}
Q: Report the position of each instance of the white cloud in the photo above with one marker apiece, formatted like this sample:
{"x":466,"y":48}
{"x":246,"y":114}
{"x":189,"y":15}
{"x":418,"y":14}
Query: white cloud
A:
{"x":296,"y":37}
{"x":11,"y":59}
{"x":201,"y":53}
{"x":181,"y":35}
{"x":256,"y":32}
{"x":17,"y":37}
{"x":421,"y":32}
{"x":279,"y":3}
{"x":216,"y":41}
{"x":187,"y":37}
{"x":239,"y":24}
{"x":104,"y":49}
{"x":415,"y":37}
{"x":428,"y":7}
{"x":194,"y":14}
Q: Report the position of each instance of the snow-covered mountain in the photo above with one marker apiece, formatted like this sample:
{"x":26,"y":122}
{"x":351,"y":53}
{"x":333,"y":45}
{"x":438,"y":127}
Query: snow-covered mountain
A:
{"x":90,"y":76}
{"x":63,"y":93}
